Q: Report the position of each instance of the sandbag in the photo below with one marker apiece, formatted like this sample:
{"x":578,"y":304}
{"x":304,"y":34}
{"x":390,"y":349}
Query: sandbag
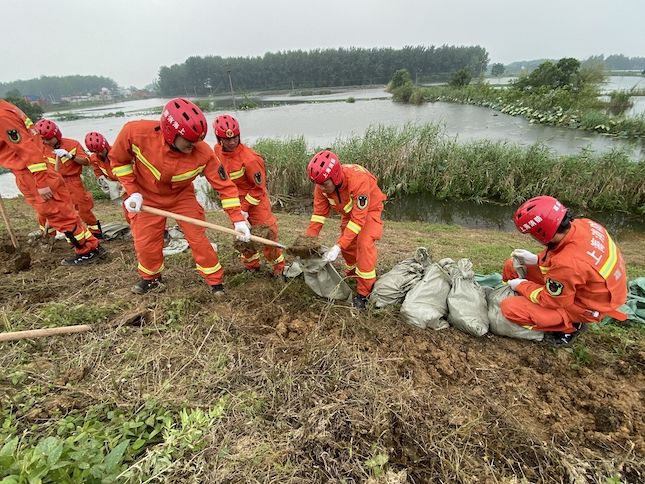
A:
{"x":321,"y":277}
{"x":426,"y":305}
{"x":467,"y":308}
{"x":392,"y":286}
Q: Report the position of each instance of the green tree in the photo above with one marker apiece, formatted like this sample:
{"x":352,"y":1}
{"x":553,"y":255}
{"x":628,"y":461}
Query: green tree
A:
{"x":400,"y":78}
{"x":33,"y":111}
{"x":497,"y":69}
{"x":461,"y":78}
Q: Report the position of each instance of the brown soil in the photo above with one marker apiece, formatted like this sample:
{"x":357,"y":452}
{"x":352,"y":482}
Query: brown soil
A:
{"x":263,"y":231}
{"x":13,"y":260}
{"x":304,"y":247}
{"x":315,"y":390}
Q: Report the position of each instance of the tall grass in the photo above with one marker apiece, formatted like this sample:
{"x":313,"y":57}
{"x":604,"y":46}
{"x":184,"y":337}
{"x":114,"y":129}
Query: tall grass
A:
{"x":423,"y":159}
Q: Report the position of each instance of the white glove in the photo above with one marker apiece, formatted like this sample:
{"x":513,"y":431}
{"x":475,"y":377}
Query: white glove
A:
{"x":332,"y":254}
{"x":60,"y":152}
{"x":526,"y":257}
{"x":513,"y":283}
{"x":243,"y":228}
{"x":245,"y":214}
{"x":133,"y":203}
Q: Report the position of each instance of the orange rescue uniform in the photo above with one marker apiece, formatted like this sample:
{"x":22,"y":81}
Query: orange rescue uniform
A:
{"x":146,"y":164}
{"x":23,"y":152}
{"x":581,"y":280}
{"x":101,"y":167}
{"x":71,"y":173}
{"x":246,"y":169}
{"x":359,"y":201}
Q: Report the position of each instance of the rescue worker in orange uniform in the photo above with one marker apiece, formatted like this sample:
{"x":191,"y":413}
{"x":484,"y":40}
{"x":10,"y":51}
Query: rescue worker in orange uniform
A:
{"x":99,"y":149}
{"x":579,"y":278}
{"x":23,"y":152}
{"x":72,"y":159}
{"x":246,"y":169}
{"x":156,"y":162}
{"x":353,"y":192}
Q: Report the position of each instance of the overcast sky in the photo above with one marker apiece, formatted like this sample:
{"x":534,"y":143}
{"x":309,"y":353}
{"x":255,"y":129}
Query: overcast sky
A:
{"x":128,"y":40}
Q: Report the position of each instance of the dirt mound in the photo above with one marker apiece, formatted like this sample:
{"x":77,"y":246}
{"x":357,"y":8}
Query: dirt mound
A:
{"x":304,"y":247}
{"x":13,"y":260}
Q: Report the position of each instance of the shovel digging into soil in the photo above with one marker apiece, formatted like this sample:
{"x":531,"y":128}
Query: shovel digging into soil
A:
{"x":21,"y":260}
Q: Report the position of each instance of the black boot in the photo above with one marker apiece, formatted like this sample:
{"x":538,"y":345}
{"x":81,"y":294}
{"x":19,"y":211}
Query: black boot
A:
{"x":147,"y":285}
{"x":359,"y":302}
{"x":88,"y":258}
{"x":559,"y":339}
{"x":218,"y":290}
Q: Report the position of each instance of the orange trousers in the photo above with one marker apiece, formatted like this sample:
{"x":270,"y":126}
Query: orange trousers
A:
{"x":59,"y":211}
{"x":261,"y":215}
{"x":361,"y":254}
{"x":83,"y":202}
{"x":520,"y":310}
{"x":148,"y":231}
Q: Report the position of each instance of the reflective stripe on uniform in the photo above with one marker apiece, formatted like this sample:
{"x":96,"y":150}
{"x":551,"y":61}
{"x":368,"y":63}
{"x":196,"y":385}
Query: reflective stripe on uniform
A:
{"x":234,"y":175}
{"x":543,"y":269}
{"x":348,"y":208}
{"x":230,"y":202}
{"x":36,"y":167}
{"x":123,"y":170}
{"x":49,"y":229}
{"x":278,"y":260}
{"x":209,"y":270}
{"x":255,"y":256}
{"x":350,"y":267}
{"x":137,"y":152}
{"x":366,"y":275}
{"x":103,"y":170}
{"x":93,"y":227}
{"x":188,"y":174}
{"x":318,"y":218}
{"x":354,"y":227}
{"x":148,"y":271}
{"x":251,"y":200}
{"x":28,"y":123}
{"x":534,"y":295}
{"x":612,"y":258}
{"x":331,"y":201}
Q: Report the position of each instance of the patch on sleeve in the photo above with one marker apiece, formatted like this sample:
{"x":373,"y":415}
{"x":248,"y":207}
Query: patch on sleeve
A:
{"x":14,"y":135}
{"x":554,"y":287}
{"x":258,"y":178}
{"x":222,"y":172}
{"x":363,"y":201}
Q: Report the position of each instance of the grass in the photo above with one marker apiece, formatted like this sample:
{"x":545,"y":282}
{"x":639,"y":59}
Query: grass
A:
{"x":301,"y":390}
{"x":422,"y":159}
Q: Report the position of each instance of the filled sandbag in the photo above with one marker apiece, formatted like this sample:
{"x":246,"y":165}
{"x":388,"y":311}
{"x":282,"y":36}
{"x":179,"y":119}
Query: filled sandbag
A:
{"x":321,"y":277}
{"x":425,"y":305}
{"x":392,"y":286}
{"x":467,"y":308}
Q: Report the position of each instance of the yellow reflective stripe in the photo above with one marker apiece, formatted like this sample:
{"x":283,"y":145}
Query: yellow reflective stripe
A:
{"x":123,"y":170}
{"x":534,"y":295}
{"x":251,"y":258}
{"x":331,"y":201}
{"x":251,"y":200}
{"x":103,"y":170}
{"x":350,"y":268}
{"x":28,"y":123}
{"x":49,"y":229}
{"x":234,"y":175}
{"x":354,"y":227}
{"x":51,"y":160}
{"x":148,"y":271}
{"x":36,"y":167}
{"x":188,"y":174}
{"x":366,"y":275}
{"x":611,"y":261}
{"x":209,"y":270}
{"x":95,"y":227}
{"x":348,"y":208}
{"x":318,"y":218}
{"x":278,"y":260}
{"x":230,"y":202}
{"x":142,"y":159}
{"x":85,"y":234}
{"x":544,"y":270}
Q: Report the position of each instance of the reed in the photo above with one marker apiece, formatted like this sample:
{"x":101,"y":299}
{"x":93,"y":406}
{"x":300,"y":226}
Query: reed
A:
{"x":423,"y":159}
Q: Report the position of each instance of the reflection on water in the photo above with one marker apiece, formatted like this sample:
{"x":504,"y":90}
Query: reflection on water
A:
{"x":419,"y":208}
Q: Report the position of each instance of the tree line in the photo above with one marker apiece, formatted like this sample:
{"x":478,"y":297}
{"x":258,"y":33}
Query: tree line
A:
{"x":52,"y":88}
{"x":316,"y":68}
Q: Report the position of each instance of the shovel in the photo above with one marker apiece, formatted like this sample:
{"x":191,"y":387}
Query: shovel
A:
{"x":22,"y":261}
{"x":208,"y":225}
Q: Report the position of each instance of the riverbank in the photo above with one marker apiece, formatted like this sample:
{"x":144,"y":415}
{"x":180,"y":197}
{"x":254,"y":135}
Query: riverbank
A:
{"x":275,"y":383}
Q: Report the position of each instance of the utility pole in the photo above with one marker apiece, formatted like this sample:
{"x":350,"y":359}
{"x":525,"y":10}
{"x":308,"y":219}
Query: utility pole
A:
{"x":230,"y":83}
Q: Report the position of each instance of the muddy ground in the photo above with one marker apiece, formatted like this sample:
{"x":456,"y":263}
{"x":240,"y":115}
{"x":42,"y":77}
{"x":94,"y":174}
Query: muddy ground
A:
{"x":320,"y":392}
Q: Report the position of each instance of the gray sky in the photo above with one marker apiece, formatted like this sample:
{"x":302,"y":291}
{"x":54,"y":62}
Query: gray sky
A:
{"x":128,"y":40}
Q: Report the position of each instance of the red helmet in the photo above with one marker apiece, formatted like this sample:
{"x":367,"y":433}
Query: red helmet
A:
{"x":540,"y":217}
{"x":325,"y":164}
{"x":96,"y":142}
{"x":180,"y":117}
{"x":48,"y":129}
{"x":226,"y":126}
